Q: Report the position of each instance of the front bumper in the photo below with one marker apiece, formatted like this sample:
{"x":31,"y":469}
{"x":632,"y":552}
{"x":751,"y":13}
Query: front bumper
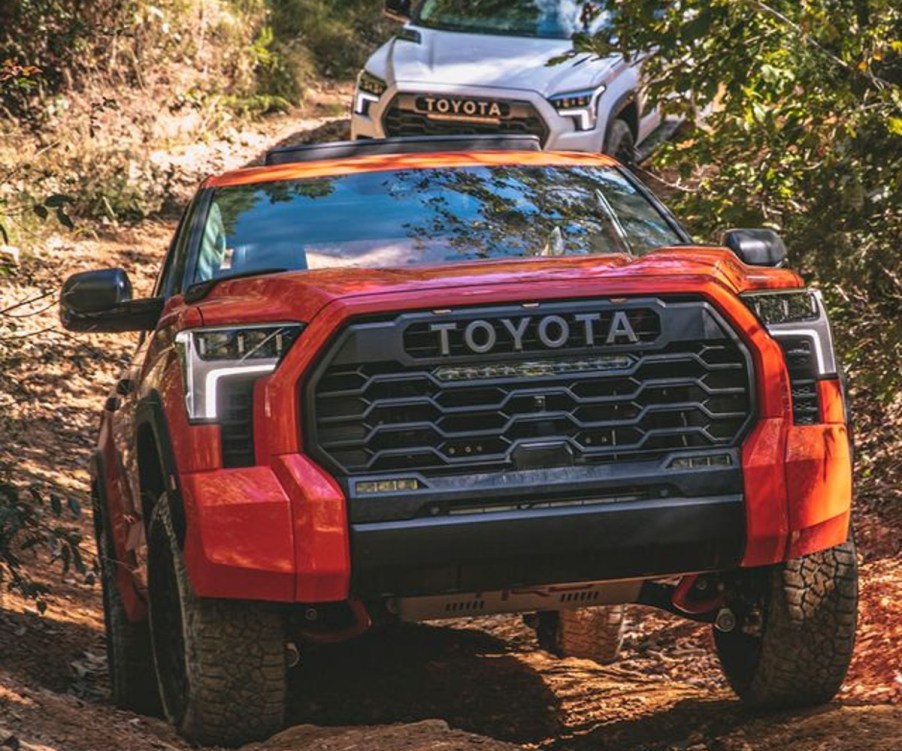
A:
{"x":282,"y":533}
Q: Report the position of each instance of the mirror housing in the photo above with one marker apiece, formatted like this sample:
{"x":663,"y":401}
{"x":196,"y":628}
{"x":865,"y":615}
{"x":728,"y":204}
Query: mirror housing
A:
{"x":101,"y":301}
{"x":756,"y":247}
{"x":398,"y":10}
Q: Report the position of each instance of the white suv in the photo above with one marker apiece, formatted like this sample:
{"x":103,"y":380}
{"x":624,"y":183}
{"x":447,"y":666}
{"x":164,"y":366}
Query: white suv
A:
{"x":470,"y":67}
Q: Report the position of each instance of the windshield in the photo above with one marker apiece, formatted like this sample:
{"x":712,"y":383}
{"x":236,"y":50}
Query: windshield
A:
{"x":420,"y":216}
{"x":546,"y":19}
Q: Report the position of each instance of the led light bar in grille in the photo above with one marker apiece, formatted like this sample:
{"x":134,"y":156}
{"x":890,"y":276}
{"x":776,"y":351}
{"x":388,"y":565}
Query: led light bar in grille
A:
{"x":534,"y":368}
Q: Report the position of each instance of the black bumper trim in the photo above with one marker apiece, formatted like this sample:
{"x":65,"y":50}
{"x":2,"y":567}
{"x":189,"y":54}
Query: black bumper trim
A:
{"x":496,"y":551}
{"x":648,"y":479}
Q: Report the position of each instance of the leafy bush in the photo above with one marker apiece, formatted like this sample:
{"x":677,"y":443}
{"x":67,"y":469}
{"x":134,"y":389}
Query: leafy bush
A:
{"x":802,"y":132}
{"x":30,"y":525}
{"x":265,"y":52}
{"x":340,"y":34}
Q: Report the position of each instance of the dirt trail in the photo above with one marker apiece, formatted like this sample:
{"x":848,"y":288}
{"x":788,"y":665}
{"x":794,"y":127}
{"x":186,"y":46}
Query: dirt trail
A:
{"x":468,"y":684}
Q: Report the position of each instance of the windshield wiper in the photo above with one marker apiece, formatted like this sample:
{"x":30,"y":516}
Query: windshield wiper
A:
{"x":199,"y":290}
{"x":612,"y":224}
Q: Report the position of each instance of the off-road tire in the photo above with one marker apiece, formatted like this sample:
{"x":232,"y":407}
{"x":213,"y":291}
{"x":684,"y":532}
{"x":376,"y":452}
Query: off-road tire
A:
{"x":621,"y":143}
{"x":221,"y":664}
{"x":589,"y":633}
{"x":133,"y":682}
{"x":808,"y":631}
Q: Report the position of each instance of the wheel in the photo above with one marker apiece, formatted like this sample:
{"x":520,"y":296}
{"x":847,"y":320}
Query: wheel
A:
{"x":133,"y":682}
{"x":801,"y":655}
{"x":590,"y":633}
{"x":621,"y":143}
{"x":221,"y":664}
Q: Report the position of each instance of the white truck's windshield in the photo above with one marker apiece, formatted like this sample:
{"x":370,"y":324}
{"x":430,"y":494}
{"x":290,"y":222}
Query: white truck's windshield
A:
{"x":425,"y":216}
{"x":545,"y":19}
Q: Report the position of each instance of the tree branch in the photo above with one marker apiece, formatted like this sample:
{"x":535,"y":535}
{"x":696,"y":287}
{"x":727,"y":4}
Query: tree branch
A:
{"x":879,"y":83}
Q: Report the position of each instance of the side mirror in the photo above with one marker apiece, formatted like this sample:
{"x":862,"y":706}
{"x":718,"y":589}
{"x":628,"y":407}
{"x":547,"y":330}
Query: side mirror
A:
{"x":756,"y":247}
{"x":101,"y":301}
{"x":398,"y":10}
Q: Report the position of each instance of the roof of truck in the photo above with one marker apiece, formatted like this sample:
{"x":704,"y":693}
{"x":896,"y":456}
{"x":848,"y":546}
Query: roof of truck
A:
{"x":352,"y":157}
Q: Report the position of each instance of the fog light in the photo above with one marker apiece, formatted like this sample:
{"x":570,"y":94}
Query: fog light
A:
{"x":701,"y":462}
{"x":404,"y":485}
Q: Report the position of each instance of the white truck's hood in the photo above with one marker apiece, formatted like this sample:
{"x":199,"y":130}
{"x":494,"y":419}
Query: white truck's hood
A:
{"x":454,"y":58}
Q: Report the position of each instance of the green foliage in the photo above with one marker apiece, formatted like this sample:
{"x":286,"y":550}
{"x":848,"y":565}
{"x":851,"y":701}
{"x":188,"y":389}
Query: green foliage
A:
{"x":803,"y":114}
{"x":265,"y":51}
{"x":73,"y":39}
{"x":340,"y":34}
{"x":282,"y":70}
{"x":31,"y":525}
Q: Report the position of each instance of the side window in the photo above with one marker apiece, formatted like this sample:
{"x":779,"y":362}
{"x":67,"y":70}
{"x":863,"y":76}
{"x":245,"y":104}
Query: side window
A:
{"x":181,"y":249}
{"x":162,"y":287}
{"x":212,"y":255}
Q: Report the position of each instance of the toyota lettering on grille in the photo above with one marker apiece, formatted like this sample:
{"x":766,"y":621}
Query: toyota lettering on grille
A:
{"x":450,"y":108}
{"x":552,"y":332}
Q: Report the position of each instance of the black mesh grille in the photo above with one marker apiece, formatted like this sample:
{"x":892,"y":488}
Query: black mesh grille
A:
{"x":508,"y":411}
{"x":802,"y":367}
{"x":402,"y":119}
{"x":236,"y":415}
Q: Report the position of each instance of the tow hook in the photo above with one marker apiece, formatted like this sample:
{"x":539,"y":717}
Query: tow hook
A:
{"x":725,"y":620}
{"x":754,"y":622}
{"x":292,"y":654}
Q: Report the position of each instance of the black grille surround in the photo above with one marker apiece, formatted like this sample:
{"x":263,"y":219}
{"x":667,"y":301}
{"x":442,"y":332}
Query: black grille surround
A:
{"x":385,"y":401}
{"x":404,"y":117}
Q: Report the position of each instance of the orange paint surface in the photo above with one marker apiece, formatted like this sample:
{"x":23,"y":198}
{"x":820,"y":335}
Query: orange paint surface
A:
{"x":385,"y":162}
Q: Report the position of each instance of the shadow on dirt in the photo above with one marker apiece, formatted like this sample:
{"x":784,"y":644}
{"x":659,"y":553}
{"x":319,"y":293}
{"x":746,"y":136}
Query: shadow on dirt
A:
{"x":718,"y":725}
{"x":686,"y":723}
{"x":407,"y":673}
{"x":42,"y":650}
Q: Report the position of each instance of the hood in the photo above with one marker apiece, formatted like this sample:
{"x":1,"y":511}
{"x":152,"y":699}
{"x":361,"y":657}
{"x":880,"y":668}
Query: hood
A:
{"x":300,"y":296}
{"x":459,"y":59}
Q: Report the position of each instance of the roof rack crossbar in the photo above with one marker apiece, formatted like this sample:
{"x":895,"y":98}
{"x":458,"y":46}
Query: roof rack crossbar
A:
{"x":408,"y":145}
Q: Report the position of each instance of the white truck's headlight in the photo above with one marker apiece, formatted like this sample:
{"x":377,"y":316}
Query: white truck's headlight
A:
{"x":581,"y":106}
{"x":370,"y":89}
{"x":210,"y":357}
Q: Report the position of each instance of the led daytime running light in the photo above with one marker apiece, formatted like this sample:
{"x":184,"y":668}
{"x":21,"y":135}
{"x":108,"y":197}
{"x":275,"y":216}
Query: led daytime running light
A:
{"x":785,"y":307}
{"x":370,"y":89}
{"x":797,"y":314}
{"x":579,"y":105}
{"x":370,"y":84}
{"x":210,"y":356}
